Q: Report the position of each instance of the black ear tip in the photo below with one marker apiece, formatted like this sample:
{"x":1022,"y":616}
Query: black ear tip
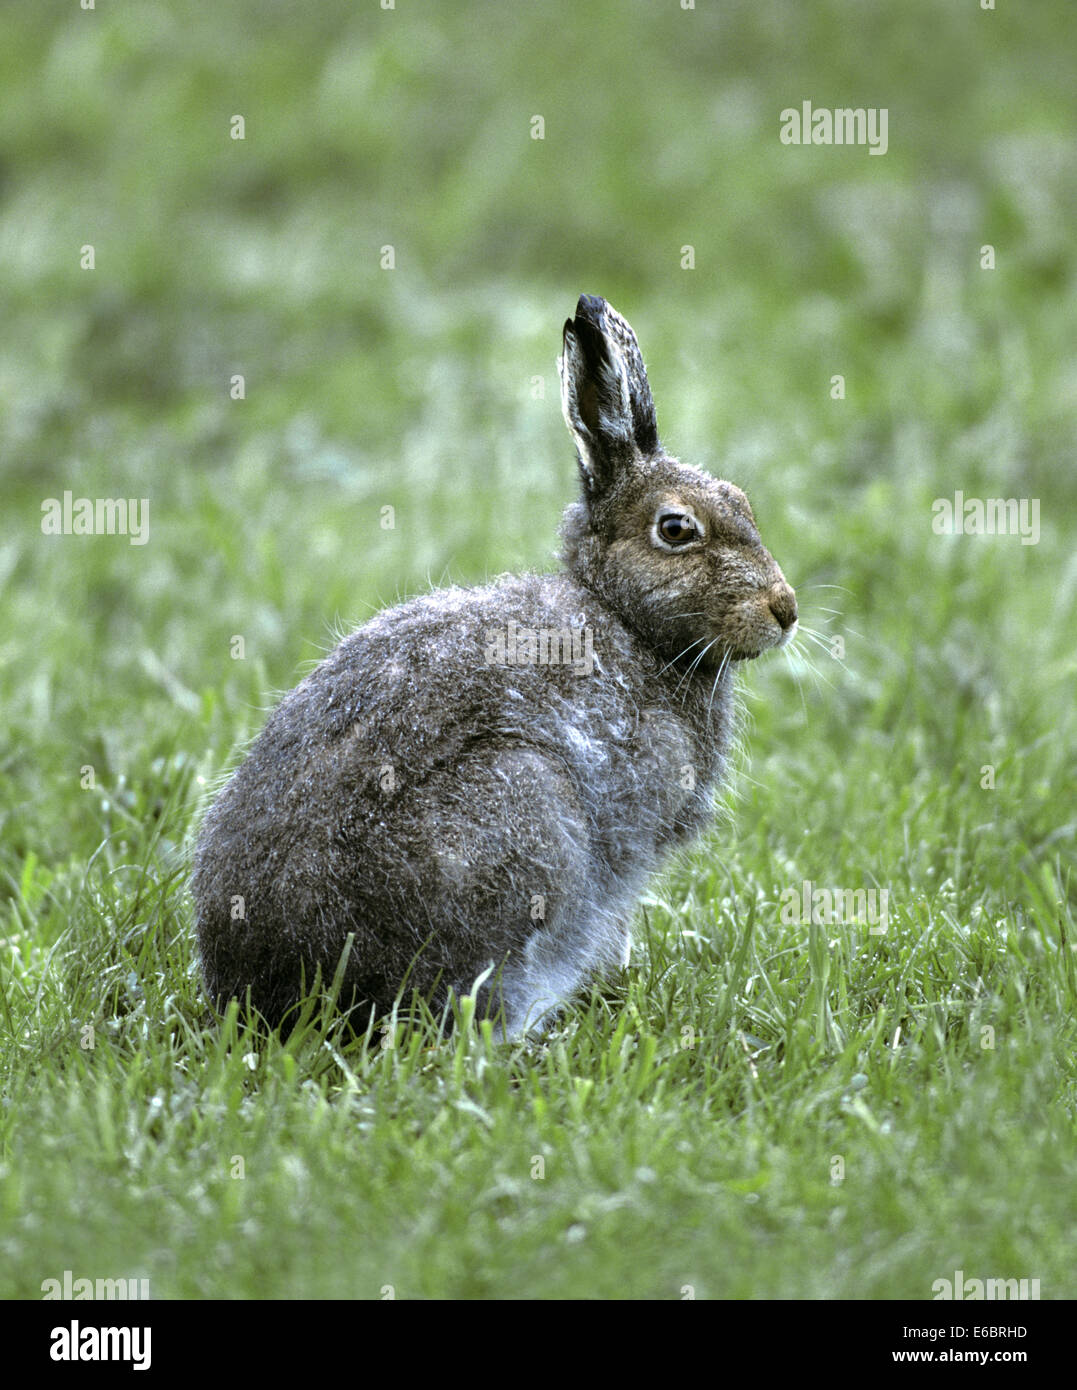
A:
{"x":591,"y":308}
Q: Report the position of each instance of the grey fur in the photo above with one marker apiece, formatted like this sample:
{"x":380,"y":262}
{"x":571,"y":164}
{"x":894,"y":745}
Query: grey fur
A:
{"x":456,"y":812}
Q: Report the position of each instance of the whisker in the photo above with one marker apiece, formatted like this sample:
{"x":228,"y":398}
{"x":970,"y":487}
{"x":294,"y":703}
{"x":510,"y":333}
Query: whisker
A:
{"x":693,"y":666}
{"x":714,"y":687}
{"x":789,"y":654}
{"x":818,"y":640}
{"x":680,"y":654}
{"x":794,"y":651}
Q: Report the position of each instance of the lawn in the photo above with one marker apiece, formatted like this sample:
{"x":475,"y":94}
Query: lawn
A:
{"x":357,"y":306}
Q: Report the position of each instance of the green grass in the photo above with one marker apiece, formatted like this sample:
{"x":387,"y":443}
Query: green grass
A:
{"x":753,"y":1109}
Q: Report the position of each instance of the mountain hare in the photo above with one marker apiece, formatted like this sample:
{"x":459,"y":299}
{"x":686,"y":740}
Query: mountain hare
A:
{"x":486,"y":777}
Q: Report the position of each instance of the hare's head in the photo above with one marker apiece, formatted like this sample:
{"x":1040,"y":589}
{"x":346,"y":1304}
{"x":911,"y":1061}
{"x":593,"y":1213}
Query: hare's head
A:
{"x":673,"y":551}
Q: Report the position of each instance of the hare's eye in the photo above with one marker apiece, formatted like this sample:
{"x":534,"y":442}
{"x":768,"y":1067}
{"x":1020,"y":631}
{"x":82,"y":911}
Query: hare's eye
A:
{"x":677,"y":528}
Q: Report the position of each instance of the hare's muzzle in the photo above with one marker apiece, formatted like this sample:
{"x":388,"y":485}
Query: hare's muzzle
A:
{"x":782,"y":601}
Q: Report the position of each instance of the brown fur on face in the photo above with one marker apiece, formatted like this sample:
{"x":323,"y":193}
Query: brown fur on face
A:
{"x":721,"y":598}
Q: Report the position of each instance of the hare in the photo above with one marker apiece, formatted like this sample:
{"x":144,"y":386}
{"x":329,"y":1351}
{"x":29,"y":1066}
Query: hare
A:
{"x":485,"y":777}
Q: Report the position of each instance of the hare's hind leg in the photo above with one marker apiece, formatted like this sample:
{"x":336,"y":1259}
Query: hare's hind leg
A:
{"x":495,"y":857}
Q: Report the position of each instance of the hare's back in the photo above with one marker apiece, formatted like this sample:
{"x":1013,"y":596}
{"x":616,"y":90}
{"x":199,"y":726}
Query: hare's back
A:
{"x":426,"y":680}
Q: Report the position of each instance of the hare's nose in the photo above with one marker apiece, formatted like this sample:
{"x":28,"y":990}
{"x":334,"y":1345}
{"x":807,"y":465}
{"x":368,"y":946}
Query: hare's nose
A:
{"x":783,"y":604}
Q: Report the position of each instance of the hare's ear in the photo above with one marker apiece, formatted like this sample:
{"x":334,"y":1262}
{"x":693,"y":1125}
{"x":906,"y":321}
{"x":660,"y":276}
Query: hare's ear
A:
{"x":605,"y":397}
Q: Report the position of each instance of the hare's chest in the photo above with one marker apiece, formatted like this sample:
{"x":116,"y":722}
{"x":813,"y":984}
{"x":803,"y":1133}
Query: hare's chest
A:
{"x":657,"y":785}
{"x":678,"y":773}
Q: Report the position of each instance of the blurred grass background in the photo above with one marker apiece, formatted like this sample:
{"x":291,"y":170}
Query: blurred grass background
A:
{"x":416,"y":388}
